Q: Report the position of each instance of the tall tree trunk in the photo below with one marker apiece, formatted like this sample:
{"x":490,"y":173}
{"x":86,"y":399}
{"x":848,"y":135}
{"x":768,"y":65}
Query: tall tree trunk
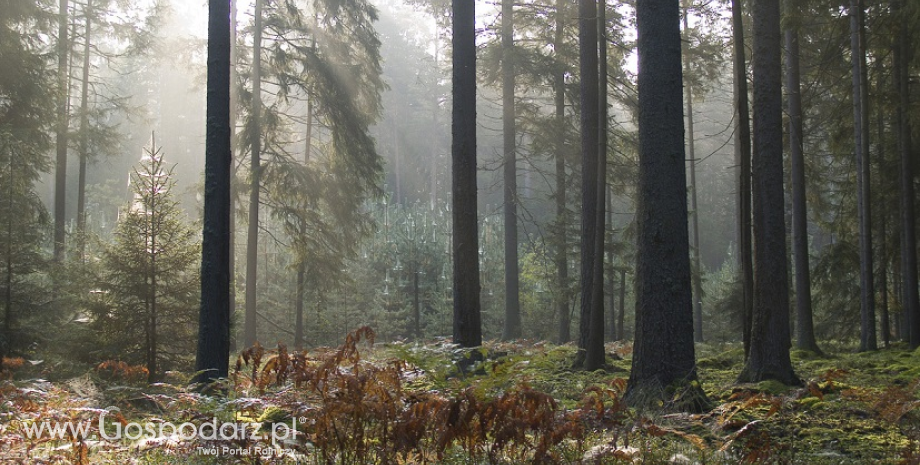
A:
{"x":561,"y":259}
{"x":466,"y":287}
{"x":770,"y":338}
{"x":5,"y":342}
{"x":302,"y":267}
{"x":610,"y":314}
{"x":587,"y":52}
{"x":694,"y":212}
{"x":663,"y":361}
{"x":255,"y":171}
{"x":621,"y":317}
{"x":153,"y":233}
{"x":84,"y":137}
{"x":60,"y":165}
{"x":512,"y":328}
{"x":867,"y":340}
{"x":594,"y":353}
{"x":743,"y":154}
{"x":435,"y":141}
{"x":213,"y":353}
{"x":910,"y":304}
{"x":805,"y":330}
{"x":883,"y":216}
{"x":234,"y":154}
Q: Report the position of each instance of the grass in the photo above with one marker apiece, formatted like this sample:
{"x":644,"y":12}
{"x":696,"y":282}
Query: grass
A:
{"x":853,"y":408}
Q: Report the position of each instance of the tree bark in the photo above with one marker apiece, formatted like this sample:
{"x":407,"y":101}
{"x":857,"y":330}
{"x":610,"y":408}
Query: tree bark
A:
{"x":743,"y":154}
{"x":696,"y":270}
{"x":664,"y":362}
{"x":621,"y":318}
{"x":770,"y":338}
{"x":60,"y":165}
{"x":883,"y":215}
{"x":512,"y":327}
{"x":594,"y":354}
{"x":84,"y":128}
{"x":561,"y":258}
{"x":467,"y":327}
{"x":610,"y":313}
{"x":213,"y":354}
{"x":234,"y":153}
{"x":911,"y":301}
{"x":587,"y":52}
{"x":255,"y":171}
{"x":867,"y":340}
{"x":805,"y":331}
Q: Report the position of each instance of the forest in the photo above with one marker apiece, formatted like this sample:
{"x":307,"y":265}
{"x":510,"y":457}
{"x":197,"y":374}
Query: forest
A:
{"x":459,"y":232}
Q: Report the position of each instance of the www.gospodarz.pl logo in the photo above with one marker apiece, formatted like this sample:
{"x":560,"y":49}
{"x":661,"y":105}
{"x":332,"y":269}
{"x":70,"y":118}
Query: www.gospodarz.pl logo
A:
{"x":211,"y":430}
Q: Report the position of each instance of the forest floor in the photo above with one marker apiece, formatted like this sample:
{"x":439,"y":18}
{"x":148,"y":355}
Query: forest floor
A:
{"x":509,"y":403}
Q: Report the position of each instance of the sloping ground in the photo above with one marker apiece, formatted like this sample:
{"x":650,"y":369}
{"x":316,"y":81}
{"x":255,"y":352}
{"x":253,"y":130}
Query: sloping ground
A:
{"x":435,"y":403}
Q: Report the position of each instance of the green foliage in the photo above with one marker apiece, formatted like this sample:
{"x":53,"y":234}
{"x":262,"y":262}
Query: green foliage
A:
{"x":145,"y":309}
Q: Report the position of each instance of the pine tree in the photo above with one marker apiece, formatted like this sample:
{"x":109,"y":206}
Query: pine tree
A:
{"x":467,"y":319}
{"x":26,"y":110}
{"x":664,"y":362}
{"x":213,"y":354}
{"x":770,"y":338}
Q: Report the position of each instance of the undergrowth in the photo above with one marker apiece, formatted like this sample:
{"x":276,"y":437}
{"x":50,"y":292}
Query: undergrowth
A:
{"x":506,"y":403}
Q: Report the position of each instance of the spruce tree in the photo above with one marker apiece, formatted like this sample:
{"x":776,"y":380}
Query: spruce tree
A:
{"x":149,"y":279}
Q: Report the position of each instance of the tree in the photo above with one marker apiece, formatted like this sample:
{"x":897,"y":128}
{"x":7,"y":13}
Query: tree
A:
{"x":805,"y":332}
{"x":27,"y":111}
{"x":911,"y":301}
{"x":561,"y":244}
{"x":664,"y":362}
{"x":60,"y":164}
{"x":695,"y":223}
{"x":512,"y":327}
{"x":594,"y":343}
{"x":213,"y":355}
{"x":149,"y":280}
{"x":770,"y":338}
{"x":743,"y":155}
{"x":867,"y":340}
{"x":255,"y":172}
{"x":467,"y":322}
{"x":588,"y":71}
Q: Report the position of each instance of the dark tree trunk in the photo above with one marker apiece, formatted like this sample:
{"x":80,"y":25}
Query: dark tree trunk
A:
{"x":512,"y":328}
{"x":298,"y":307}
{"x":867,"y":340}
{"x":213,"y":354}
{"x":302,"y":267}
{"x":84,"y":128}
{"x":663,"y":353}
{"x":743,"y":154}
{"x":5,"y":341}
{"x":416,"y":308}
{"x":610,"y":313}
{"x":587,"y":52}
{"x":561,"y":259}
{"x":910,"y":304}
{"x":696,"y":270}
{"x":255,"y":171}
{"x":770,"y":338}
{"x":234,"y":153}
{"x":805,"y":330}
{"x":60,"y":165}
{"x":466,"y":287}
{"x":621,"y":318}
{"x":883,"y":215}
{"x":594,"y":353}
